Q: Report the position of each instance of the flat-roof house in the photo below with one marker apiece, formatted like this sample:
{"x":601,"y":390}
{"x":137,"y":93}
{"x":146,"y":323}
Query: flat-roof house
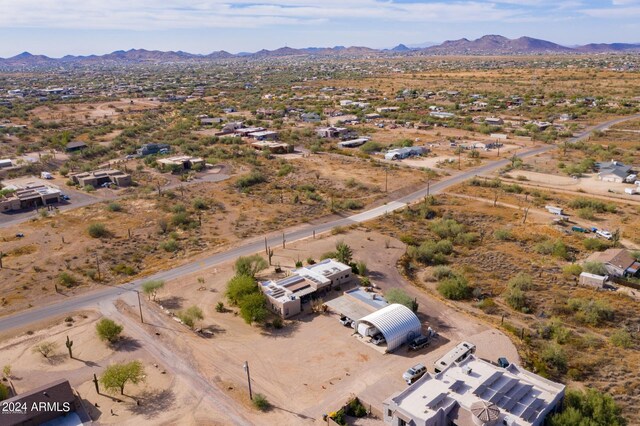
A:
{"x":441,"y":114}
{"x":475,"y":392}
{"x":494,"y":121}
{"x":618,"y":262}
{"x":61,"y":407}
{"x":75,"y":146}
{"x":30,"y":196}
{"x":5,"y":163}
{"x":273,"y":147}
{"x":97,"y":178}
{"x":208,"y":121}
{"x":353,"y":143}
{"x":331,"y":132}
{"x":264,"y":135}
{"x":285,"y":296}
{"x":183,"y":161}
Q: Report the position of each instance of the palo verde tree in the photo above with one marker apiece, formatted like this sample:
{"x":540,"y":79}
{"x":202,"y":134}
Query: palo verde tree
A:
{"x":150,"y":288}
{"x":108,"y":330}
{"x":116,"y":376}
{"x":250,"y":265}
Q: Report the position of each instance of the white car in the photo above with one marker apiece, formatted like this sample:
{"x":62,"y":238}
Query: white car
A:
{"x":604,"y":234}
{"x":414,"y":373}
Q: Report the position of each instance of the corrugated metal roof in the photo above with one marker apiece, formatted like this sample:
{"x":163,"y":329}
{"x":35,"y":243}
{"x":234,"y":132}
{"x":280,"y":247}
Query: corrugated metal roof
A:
{"x":397,"y":323}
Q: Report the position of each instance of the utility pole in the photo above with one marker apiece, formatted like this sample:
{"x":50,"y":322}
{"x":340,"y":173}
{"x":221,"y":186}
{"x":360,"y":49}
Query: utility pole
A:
{"x":428,"y":186}
{"x":246,"y":369}
{"x":266,"y":248}
{"x":459,"y":159}
{"x":283,"y":240}
{"x":140,"y":306}
{"x":386,"y":179}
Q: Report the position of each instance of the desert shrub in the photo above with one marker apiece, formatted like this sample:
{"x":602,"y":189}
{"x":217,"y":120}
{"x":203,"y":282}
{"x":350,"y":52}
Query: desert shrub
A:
{"x":596,"y":205}
{"x":522,"y":281}
{"x":409,"y":240}
{"x":253,"y":308}
{"x":220,"y":307}
{"x":586,"y":213}
{"x":370,"y":147}
{"x":150,"y":288}
{"x":239,"y":287}
{"x":200,"y":204}
{"x":339,"y":417}
{"x":431,"y":252}
{"x":260,"y":402}
{"x":190,"y":316}
{"x":440,"y":272}
{"x":597,"y":268}
{"x":114,"y":207}
{"x":621,"y":339}
{"x":249,"y":180}
{"x":516,"y":298}
{"x":170,"y":245}
{"x":502,"y":234}
{"x":180,"y":219}
{"x":592,"y":312}
{"x":361,"y":268}
{"x":396,"y":295}
{"x":488,"y":305}
{"x":454,"y":288}
{"x":277,"y":323}
{"x":108,"y":330}
{"x":67,"y":280}
{"x":447,"y":228}
{"x":596,"y":244}
{"x":556,"y":248}
{"x":124,"y":269}
{"x":285,"y":169}
{"x":588,"y":407}
{"x":98,"y":230}
{"x":554,"y":357}
{"x":351,"y":204}
{"x":250,"y":265}
{"x":45,"y":348}
{"x":573,"y":269}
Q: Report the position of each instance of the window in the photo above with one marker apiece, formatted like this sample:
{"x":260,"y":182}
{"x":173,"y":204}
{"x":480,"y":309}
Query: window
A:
{"x":389,"y":413}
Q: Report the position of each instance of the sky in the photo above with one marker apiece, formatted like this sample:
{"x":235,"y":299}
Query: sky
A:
{"x":59,"y":27}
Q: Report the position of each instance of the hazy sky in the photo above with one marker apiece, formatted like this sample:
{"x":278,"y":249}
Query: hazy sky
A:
{"x":59,"y":27}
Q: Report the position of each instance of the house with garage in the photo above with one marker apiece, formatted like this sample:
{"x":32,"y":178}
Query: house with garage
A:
{"x":75,"y":146}
{"x":617,"y":261}
{"x":98,"y":178}
{"x":285,"y":297}
{"x":182,"y":162}
{"x":475,"y":392}
{"x":29,"y":196}
{"x":331,"y":132}
{"x":613,"y":171}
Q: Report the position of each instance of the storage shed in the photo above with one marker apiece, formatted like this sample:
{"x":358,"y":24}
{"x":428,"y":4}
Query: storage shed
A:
{"x":397,"y":323}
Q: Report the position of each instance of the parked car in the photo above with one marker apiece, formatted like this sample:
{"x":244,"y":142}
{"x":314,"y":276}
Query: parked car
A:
{"x":604,"y":234}
{"x":414,"y":373}
{"x":19,"y":235}
{"x":378,"y":339}
{"x":579,"y":229}
{"x":346,"y":321}
{"x":64,"y":197}
{"x":503,"y":362}
{"x":419,"y":343}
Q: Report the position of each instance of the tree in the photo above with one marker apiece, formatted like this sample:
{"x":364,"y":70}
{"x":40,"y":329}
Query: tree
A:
{"x":396,"y":295}
{"x":344,"y":254}
{"x":108,"y":330}
{"x":253,"y":308}
{"x":116,"y":376}
{"x":588,"y":408}
{"x":190,"y":315}
{"x":596,"y":268}
{"x":250,"y":265}
{"x":239,"y":287}
{"x":45,"y":348}
{"x":150,"y":288}
{"x":455,"y":287}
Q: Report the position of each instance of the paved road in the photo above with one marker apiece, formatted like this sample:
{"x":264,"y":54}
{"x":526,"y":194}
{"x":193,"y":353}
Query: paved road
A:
{"x":257,"y":245}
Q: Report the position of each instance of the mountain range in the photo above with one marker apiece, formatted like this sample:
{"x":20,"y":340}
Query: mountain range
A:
{"x":486,"y":45}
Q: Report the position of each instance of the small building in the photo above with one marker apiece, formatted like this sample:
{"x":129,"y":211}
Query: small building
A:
{"x":207,"y":121}
{"x":331,"y":132}
{"x":5,"y":163}
{"x":63,"y":407}
{"x":264,"y":135}
{"x":592,"y":280}
{"x":397,"y":323}
{"x":618,"y":262}
{"x":98,"y":178}
{"x":475,"y":392}
{"x":442,"y":115}
{"x":183,"y":161}
{"x":554,"y":210}
{"x":273,"y":147}
{"x":154,"y":148}
{"x":30,"y":196}
{"x":494,"y":121}
{"x":285,"y":296}
{"x":245,"y":131}
{"x":382,"y":110}
{"x":353,"y":143}
{"x":400,"y":153}
{"x":75,"y":146}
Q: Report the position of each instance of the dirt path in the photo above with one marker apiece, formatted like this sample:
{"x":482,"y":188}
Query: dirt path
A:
{"x":177,"y":361}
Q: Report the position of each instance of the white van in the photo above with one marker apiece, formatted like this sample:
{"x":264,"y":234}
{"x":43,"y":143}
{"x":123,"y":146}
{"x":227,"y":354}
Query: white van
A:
{"x":457,"y":354}
{"x":46,"y":175}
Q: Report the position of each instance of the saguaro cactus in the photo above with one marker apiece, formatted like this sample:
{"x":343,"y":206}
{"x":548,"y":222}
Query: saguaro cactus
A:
{"x":69,"y":344}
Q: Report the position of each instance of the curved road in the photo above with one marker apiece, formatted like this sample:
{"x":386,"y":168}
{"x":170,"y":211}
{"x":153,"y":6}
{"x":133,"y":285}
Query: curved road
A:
{"x":257,"y":245}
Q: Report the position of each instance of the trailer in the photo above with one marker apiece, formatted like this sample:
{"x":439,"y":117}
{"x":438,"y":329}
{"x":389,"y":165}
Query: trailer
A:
{"x":554,"y":210}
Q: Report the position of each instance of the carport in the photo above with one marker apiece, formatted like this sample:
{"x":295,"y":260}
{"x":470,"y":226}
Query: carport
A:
{"x":397,"y":323}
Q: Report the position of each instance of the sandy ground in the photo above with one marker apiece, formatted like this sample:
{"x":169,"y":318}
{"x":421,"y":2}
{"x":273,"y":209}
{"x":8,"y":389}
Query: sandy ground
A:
{"x":312,"y":365}
{"x":87,"y":112}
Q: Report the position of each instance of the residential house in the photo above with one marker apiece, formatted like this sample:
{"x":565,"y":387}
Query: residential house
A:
{"x":272,"y":147}
{"x":400,"y":153}
{"x":153,"y":148}
{"x":286,"y":296}
{"x":331,"y":132}
{"x":475,"y":392}
{"x":184,"y":162}
{"x":29,"y":196}
{"x":98,"y":178}
{"x":353,"y":143}
{"x":613,"y":171}
{"x":207,"y":121}
{"x":494,"y":121}
{"x":441,"y":114}
{"x":618,"y":262}
{"x":264,"y":135}
{"x":75,"y":146}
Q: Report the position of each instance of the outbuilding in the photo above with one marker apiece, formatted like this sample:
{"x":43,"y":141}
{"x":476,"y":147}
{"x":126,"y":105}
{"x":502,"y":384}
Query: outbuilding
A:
{"x":397,"y":323}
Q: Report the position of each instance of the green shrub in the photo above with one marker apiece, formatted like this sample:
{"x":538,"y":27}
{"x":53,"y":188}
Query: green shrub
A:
{"x":253,"y":308}
{"x":596,"y":268}
{"x":554,"y":356}
{"x":351,"y":204}
{"x":587,"y":213}
{"x":4,"y":392}
{"x":220,"y":307}
{"x":260,"y":402}
{"x":396,"y":295}
{"x":556,"y":248}
{"x":98,"y":230}
{"x":431,"y":252}
{"x":67,"y":280}
{"x":251,"y":179}
{"x":573,"y":269}
{"x":190,"y":316}
{"x":488,"y":305}
{"x":522,"y":281}
{"x":240,"y":286}
{"x":277,"y":323}
{"x":108,"y":330}
{"x":370,"y":147}
{"x":516,"y":298}
{"x":354,"y":408}
{"x":454,"y":288}
{"x":170,"y":245}
{"x":440,"y":272}
{"x":285,"y":169}
{"x":596,"y":244}
{"x":447,"y":228}
{"x":114,"y":207}
{"x":180,"y":219}
{"x":123,"y":269}
{"x":588,"y":407}
{"x":200,"y":204}
{"x":593,"y":312}
{"x":596,"y":205}
{"x":502,"y":234}
{"x":621,"y":339}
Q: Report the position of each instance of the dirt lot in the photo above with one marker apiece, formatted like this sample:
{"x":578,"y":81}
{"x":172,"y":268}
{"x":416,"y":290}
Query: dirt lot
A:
{"x":312,"y":365}
{"x":90,"y":112}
